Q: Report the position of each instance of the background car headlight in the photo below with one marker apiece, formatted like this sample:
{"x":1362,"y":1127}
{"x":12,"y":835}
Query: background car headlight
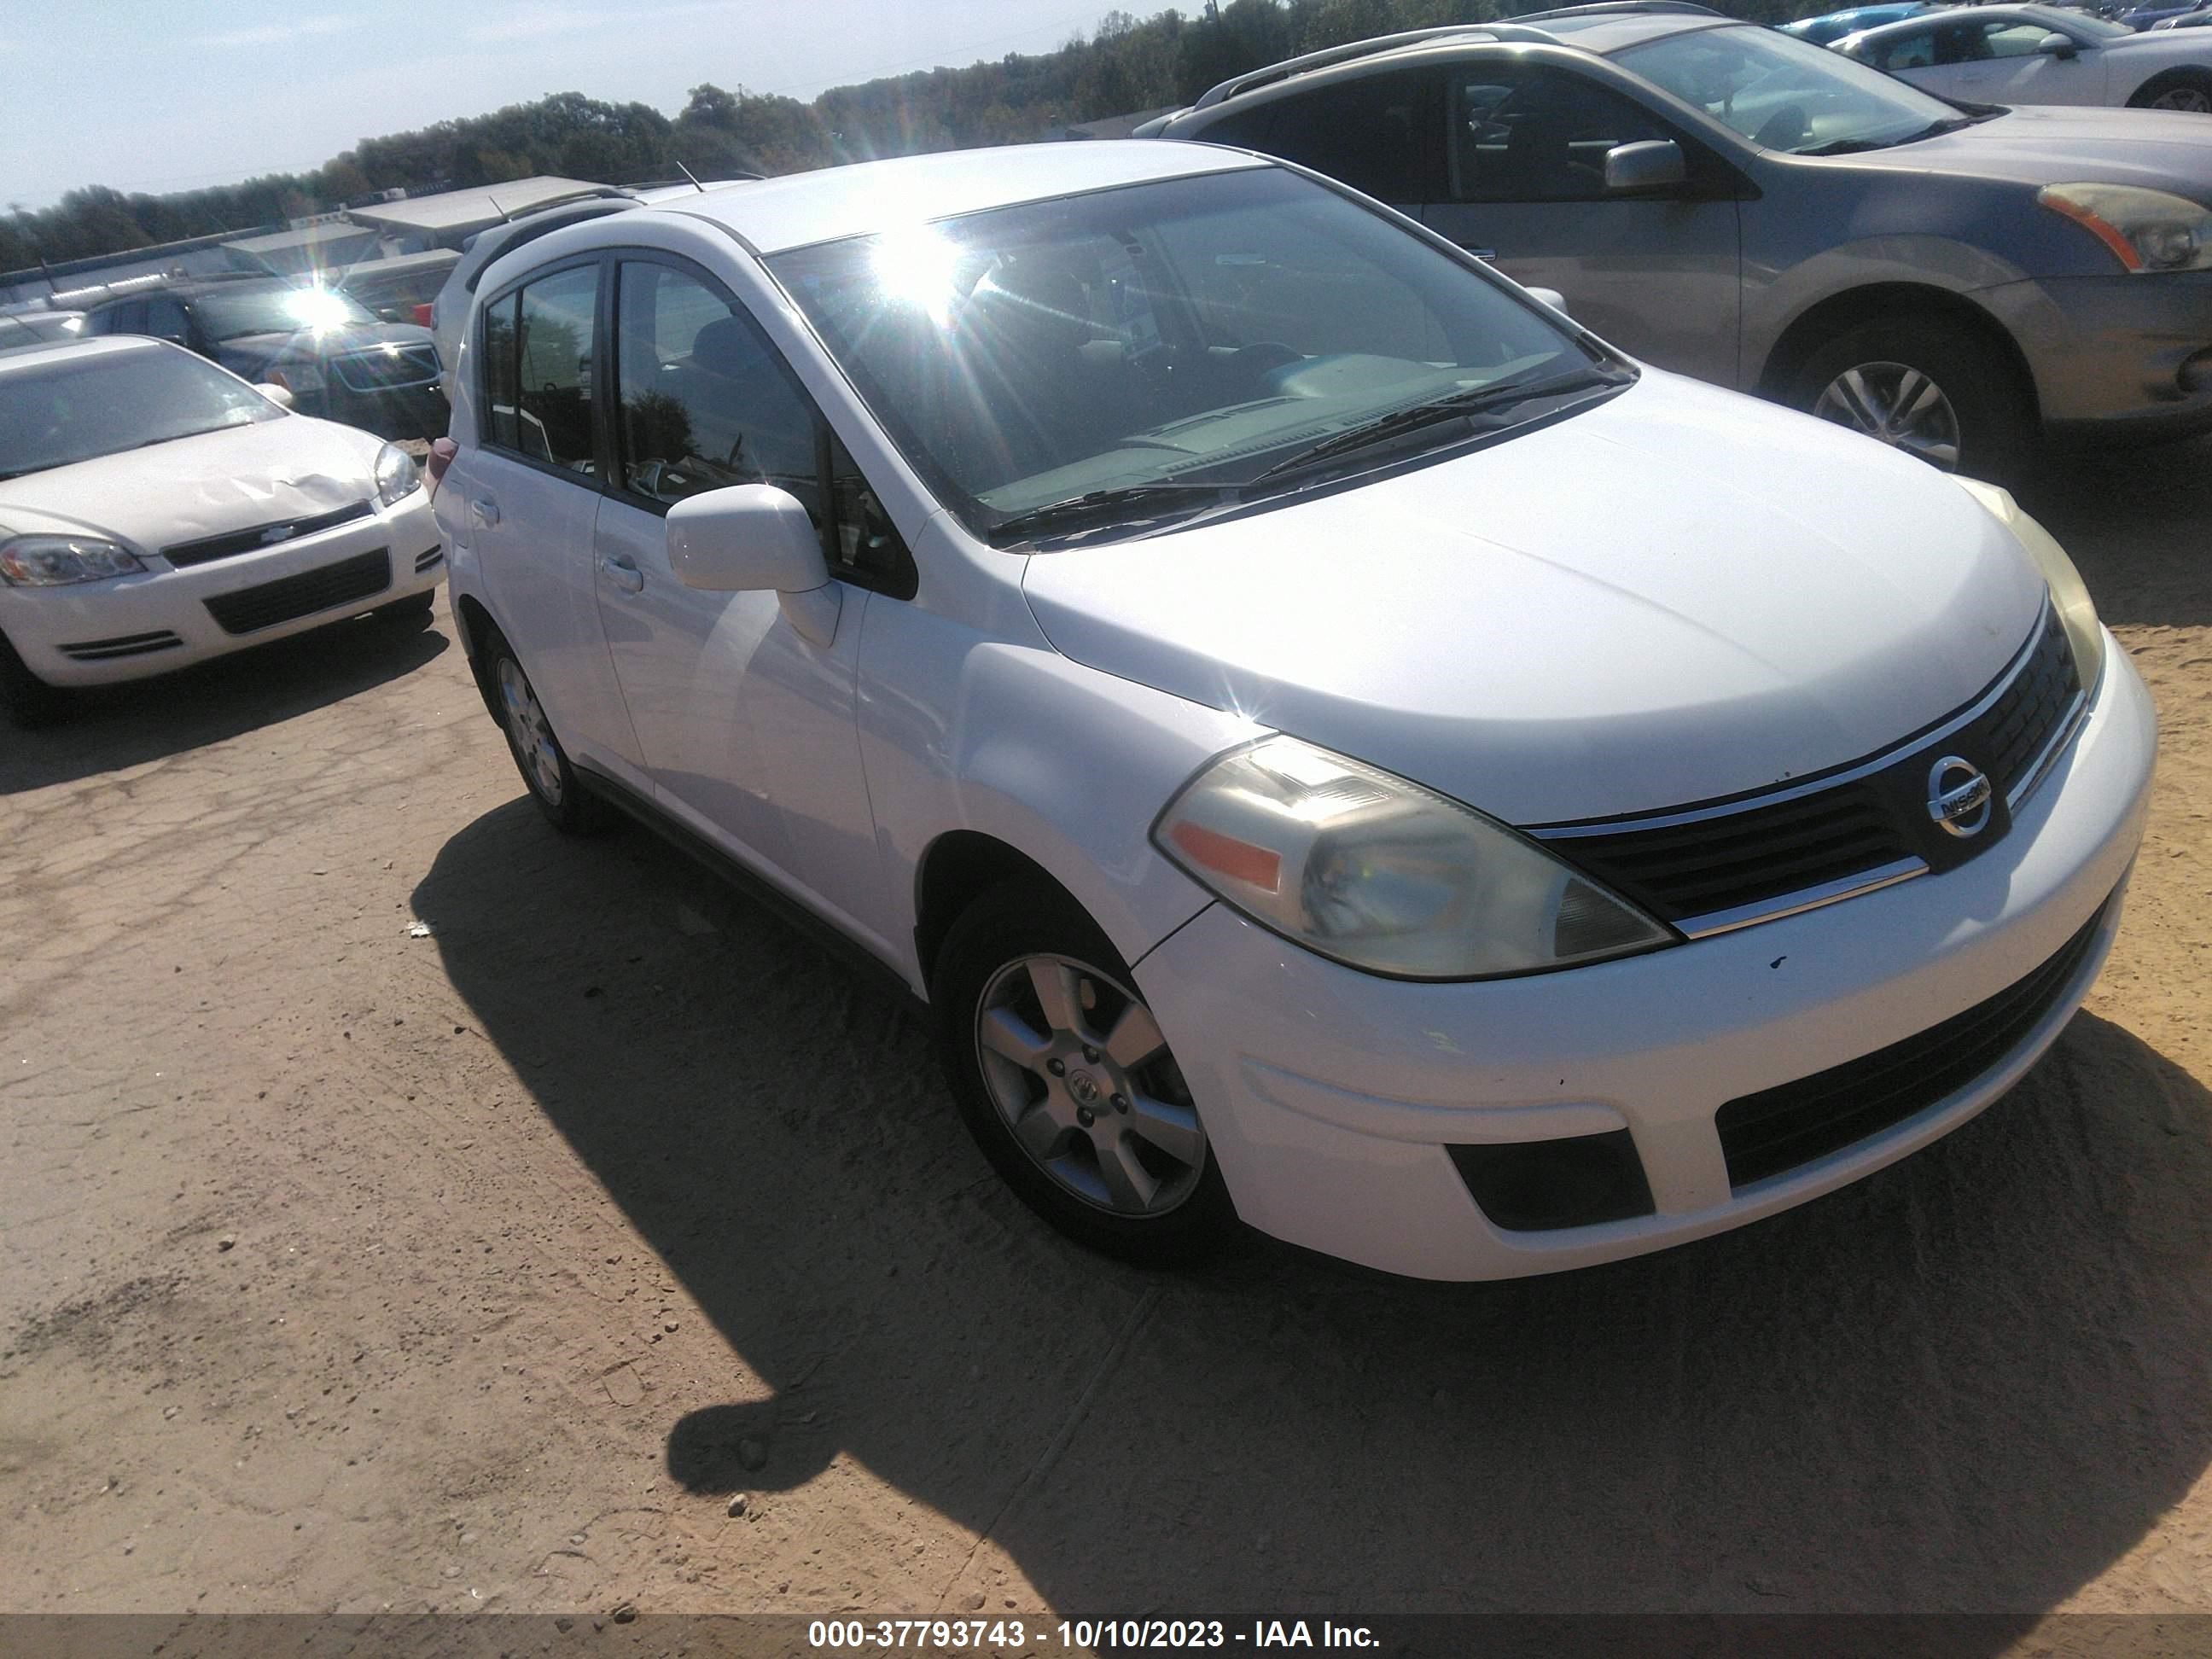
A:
{"x":1383,"y":875}
{"x":397,"y":475}
{"x":2146,"y":230}
{"x":57,"y":561}
{"x":2069,"y":595}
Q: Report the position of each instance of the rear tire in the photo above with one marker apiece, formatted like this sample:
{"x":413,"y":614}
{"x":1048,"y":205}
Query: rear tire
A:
{"x":2187,"y":90}
{"x":1927,"y":387}
{"x":1108,"y":1148}
{"x":568,"y":806}
{"x":27,"y":700}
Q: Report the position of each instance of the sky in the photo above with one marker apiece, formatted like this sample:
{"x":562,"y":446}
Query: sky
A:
{"x":161,"y":95}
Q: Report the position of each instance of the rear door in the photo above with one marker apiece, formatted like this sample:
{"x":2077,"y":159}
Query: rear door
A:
{"x":531,"y":494}
{"x":1660,"y":276}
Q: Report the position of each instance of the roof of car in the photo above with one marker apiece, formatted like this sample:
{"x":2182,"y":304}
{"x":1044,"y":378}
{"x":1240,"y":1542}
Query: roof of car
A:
{"x":28,"y":356}
{"x":799,"y":209}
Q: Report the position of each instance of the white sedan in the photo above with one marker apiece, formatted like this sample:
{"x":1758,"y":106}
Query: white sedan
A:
{"x":156,"y":510}
{"x":1337,"y":746}
{"x":2035,"y":54}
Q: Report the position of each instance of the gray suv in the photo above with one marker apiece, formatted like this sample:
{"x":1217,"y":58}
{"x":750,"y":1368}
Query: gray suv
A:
{"x":1721,"y":199}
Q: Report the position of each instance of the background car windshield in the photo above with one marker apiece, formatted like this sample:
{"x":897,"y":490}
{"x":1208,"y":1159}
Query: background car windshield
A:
{"x":97,"y":403}
{"x":231,"y":312}
{"x":1192,"y":330}
{"x":1785,"y":93}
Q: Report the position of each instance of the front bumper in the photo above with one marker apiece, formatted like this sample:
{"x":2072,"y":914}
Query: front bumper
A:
{"x":1330,"y":1095}
{"x":2107,"y":352}
{"x":134,"y":626}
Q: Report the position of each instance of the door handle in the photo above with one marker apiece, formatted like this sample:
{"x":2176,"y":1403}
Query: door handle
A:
{"x":622,"y":571}
{"x":486,"y":510}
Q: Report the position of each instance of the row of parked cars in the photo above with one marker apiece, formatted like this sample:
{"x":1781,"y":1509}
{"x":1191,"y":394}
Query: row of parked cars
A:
{"x":1341,"y":745}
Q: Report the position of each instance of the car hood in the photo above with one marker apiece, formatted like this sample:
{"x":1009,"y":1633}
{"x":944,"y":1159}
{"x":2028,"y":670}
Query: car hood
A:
{"x":326,"y":342}
{"x":2041,"y":144}
{"x":231,"y":479}
{"x":1678,"y":595}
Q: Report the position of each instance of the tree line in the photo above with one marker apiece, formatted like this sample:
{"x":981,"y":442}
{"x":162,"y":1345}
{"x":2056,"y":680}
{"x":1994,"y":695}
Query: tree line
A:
{"x":1125,"y":65}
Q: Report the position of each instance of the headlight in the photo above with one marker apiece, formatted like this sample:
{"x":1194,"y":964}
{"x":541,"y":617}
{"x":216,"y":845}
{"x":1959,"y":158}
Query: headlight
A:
{"x":1383,"y":875}
{"x":2069,"y":595}
{"x":397,"y":475}
{"x":2146,"y":230}
{"x":57,"y":561}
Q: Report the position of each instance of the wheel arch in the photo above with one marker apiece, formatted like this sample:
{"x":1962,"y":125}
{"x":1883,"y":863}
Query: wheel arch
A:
{"x":957,"y":869}
{"x":2180,"y":75}
{"x":476,"y":621}
{"x":1885,"y":302}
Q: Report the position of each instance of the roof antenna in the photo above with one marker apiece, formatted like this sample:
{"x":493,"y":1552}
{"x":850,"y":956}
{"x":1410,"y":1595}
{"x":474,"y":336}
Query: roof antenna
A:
{"x":505,"y":216}
{"x":688,"y":173}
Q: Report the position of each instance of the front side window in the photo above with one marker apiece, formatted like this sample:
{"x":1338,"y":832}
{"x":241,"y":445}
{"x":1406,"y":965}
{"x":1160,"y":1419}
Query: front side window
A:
{"x":538,"y":369}
{"x":82,"y":406}
{"x":1904,"y":52}
{"x":1540,"y":136}
{"x":1783,"y":94}
{"x":1192,"y":333}
{"x":706,"y":401}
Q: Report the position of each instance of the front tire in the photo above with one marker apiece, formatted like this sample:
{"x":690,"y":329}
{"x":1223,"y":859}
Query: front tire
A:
{"x":1926,"y":387}
{"x":27,"y":700}
{"x":1068,"y":1085}
{"x":552,"y":782}
{"x":2188,"y":90}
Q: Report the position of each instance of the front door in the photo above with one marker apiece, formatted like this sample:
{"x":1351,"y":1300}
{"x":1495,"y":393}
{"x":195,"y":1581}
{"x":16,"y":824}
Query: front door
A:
{"x":1659,"y":276}
{"x":746,"y":724}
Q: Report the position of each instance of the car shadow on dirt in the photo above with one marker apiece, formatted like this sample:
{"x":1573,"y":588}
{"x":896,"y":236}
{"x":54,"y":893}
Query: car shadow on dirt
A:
{"x":1969,"y":1383}
{"x":2134,"y":521}
{"x":111,"y":726}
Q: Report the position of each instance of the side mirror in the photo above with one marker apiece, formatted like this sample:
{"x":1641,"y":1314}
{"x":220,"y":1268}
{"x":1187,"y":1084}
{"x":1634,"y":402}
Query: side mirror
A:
{"x":1551,"y":297}
{"x":751,"y":538}
{"x":1648,"y":164}
{"x":279,"y":395}
{"x":2061,"y":46}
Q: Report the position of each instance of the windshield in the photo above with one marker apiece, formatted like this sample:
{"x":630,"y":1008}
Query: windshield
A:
{"x":1785,"y":93}
{"x":229,"y":312}
{"x":1194,"y":331}
{"x":97,"y":402}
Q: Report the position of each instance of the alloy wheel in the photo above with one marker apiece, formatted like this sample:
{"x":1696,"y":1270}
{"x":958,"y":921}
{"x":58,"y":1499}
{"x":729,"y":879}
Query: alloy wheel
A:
{"x":527,"y":726}
{"x":1896,"y":404}
{"x":1078,"y":1068}
{"x":2195,"y":100}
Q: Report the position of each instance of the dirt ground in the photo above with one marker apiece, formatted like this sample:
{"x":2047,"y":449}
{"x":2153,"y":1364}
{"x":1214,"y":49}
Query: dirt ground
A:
{"x":343,"y":1269}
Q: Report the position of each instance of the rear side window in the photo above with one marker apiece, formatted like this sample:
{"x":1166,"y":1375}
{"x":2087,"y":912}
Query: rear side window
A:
{"x":1906,"y":51}
{"x":538,"y":369}
{"x":1378,"y":134}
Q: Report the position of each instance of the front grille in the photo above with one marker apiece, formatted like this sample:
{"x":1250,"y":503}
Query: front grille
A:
{"x":260,"y":537}
{"x":2022,"y":722}
{"x":1778,"y":1129}
{"x":294,"y":597}
{"x":386,"y":369}
{"x":123,"y":645}
{"x":1727,"y":865}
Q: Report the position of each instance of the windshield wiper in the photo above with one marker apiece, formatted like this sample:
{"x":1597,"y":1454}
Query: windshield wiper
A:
{"x":1107,"y":503}
{"x":1855,"y":146}
{"x":1493,"y":400}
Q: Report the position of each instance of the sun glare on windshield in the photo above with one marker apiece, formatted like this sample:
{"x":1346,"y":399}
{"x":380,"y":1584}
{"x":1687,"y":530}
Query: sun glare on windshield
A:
{"x":916,"y":266}
{"x":317,"y":308}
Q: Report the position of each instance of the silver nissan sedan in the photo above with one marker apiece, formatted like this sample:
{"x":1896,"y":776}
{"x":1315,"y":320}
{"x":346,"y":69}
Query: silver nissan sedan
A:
{"x":1957,"y":280}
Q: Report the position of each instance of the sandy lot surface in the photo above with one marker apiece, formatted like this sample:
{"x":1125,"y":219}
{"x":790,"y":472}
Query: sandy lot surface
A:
{"x":342,"y":1268}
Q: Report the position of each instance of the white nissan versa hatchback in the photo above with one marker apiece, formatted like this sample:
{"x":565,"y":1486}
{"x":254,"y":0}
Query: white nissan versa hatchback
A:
{"x":1334,"y":743}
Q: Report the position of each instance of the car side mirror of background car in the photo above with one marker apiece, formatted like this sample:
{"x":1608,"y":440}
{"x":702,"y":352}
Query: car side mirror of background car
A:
{"x":751,"y":538}
{"x":1648,"y":164}
{"x":279,"y":395}
{"x":1551,"y":297}
{"x":2055,"y":45}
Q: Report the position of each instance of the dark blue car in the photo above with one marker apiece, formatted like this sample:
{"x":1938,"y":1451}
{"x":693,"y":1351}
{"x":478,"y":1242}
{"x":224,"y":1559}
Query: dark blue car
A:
{"x":1835,"y":25}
